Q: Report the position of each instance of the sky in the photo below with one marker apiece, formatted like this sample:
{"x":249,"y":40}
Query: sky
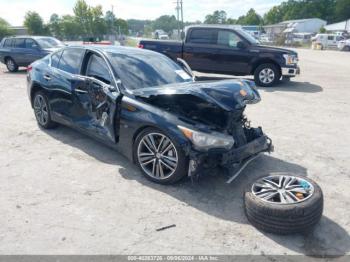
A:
{"x":13,"y":11}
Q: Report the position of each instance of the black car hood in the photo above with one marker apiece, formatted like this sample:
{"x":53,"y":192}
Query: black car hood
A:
{"x":264,"y":48}
{"x":228,"y":94}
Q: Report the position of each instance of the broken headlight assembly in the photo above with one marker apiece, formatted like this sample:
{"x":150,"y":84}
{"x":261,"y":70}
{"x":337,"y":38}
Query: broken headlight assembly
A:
{"x":205,"y":141}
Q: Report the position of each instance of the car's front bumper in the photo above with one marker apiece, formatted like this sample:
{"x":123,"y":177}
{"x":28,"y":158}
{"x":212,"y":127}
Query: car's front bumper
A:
{"x":200,"y":161}
{"x":290,"y":71}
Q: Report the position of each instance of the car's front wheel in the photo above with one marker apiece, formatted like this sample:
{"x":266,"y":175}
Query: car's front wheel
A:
{"x":267,"y":75}
{"x":42,"y":111}
{"x":11,"y":65}
{"x":159,"y":157}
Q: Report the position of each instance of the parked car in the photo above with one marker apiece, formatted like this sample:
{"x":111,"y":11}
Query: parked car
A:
{"x":23,"y":50}
{"x":344,"y":45}
{"x":147,"y":107}
{"x":324,"y":41}
{"x":229,"y":50}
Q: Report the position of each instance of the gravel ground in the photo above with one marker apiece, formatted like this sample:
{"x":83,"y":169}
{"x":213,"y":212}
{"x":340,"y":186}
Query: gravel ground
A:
{"x":64,"y":193}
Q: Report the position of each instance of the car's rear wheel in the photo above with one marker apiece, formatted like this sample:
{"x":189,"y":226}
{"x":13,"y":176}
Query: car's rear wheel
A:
{"x":11,"y":65}
{"x":159,"y":157}
{"x":346,"y":48}
{"x":267,"y":75}
{"x":284,"y":204}
{"x":42,"y":111}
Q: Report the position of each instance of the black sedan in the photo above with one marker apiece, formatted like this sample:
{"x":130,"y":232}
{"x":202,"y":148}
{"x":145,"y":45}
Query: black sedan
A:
{"x":148,"y":107}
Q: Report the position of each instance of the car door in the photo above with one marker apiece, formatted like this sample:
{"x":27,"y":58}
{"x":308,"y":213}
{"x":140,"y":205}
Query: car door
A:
{"x":32,"y":51}
{"x":61,"y":78}
{"x":232,"y":58}
{"x":95,"y":99}
{"x":18,"y":51}
{"x":200,"y":49}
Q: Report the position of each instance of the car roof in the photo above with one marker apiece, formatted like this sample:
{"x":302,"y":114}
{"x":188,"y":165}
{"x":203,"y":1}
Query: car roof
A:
{"x":113,"y":49}
{"x":28,"y":36}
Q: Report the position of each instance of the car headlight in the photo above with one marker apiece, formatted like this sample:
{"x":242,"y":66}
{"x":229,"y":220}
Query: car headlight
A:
{"x":290,"y":59}
{"x":204,"y":141}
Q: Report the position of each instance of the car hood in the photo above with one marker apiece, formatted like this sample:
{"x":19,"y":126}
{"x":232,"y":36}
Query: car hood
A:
{"x":264,"y":48}
{"x":229,"y":95}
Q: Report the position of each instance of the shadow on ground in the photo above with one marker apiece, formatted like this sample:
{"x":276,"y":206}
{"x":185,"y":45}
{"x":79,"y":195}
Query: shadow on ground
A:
{"x":287,"y":86}
{"x":213,"y":196}
{"x":19,"y":72}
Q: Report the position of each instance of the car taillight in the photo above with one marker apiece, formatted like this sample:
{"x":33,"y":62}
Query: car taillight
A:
{"x":140,"y":46}
{"x":29,"y":68}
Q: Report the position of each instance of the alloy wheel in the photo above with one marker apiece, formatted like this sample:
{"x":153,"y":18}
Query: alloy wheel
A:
{"x":267,"y":76}
{"x":10,"y":65}
{"x":157,"y":156}
{"x":41,"y":110}
{"x":281,"y":189}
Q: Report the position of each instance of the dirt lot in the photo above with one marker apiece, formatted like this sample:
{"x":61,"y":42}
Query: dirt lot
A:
{"x":63,"y":193}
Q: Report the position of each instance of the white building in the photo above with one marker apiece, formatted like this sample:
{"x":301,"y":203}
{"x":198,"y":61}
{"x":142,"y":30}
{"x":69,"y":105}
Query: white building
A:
{"x":339,"y":27}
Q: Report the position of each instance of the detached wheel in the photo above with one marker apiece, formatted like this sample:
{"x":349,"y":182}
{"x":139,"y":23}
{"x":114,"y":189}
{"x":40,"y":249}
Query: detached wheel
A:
{"x":11,"y":65}
{"x":159,"y":157}
{"x":42,"y":111}
{"x":267,"y":75}
{"x":284,"y":204}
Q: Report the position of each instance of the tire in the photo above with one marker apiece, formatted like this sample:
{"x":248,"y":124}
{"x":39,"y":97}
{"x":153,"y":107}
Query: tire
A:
{"x":269,"y":72}
{"x":346,"y":48}
{"x":290,"y":218}
{"x":40,"y":106}
{"x":11,"y":65}
{"x":151,"y":170}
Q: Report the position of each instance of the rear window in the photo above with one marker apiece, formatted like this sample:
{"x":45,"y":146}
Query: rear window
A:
{"x":203,"y":36}
{"x":71,"y":60}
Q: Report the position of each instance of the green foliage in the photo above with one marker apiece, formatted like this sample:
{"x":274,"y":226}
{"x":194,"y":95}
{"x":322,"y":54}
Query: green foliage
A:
{"x":218,"y":17}
{"x":322,"y":30}
{"x":34,"y":24}
{"x":251,"y":18}
{"x":342,"y":10}
{"x":4,"y":28}
{"x":165,"y":22}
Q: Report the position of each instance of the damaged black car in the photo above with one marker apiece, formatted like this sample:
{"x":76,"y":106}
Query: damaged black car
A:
{"x":149,"y":108}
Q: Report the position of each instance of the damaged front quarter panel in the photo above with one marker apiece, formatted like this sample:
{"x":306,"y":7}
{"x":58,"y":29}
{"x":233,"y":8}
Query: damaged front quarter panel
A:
{"x":212,"y":107}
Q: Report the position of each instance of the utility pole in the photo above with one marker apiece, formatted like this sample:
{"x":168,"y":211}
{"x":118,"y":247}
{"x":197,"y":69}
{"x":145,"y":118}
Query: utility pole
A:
{"x":182,"y":15}
{"x":178,"y":17}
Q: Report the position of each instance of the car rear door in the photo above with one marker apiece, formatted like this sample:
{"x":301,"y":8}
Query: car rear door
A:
{"x":18,"y":52}
{"x":200,"y":49}
{"x":61,"y":79}
{"x":32,"y":50}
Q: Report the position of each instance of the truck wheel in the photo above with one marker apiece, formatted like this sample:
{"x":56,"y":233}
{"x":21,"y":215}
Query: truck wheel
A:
{"x":159,"y":157}
{"x":284,"y":204}
{"x":266,"y":75}
{"x":11,"y":65}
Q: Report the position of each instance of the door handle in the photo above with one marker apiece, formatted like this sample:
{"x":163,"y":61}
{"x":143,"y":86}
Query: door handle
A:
{"x":47,"y":77}
{"x":80,"y":91}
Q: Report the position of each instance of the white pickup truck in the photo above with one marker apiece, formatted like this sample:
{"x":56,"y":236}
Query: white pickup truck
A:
{"x":344,"y":45}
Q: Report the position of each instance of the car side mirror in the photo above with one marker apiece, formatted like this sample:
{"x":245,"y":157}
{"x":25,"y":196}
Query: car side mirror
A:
{"x":241,"y":45}
{"x":186,"y":67}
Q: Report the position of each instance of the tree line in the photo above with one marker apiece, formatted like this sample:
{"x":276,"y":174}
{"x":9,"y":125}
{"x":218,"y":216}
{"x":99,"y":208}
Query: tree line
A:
{"x":330,"y":10}
{"x":90,"y":21}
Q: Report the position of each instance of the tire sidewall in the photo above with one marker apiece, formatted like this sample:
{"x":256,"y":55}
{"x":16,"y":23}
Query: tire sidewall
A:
{"x":182,"y":166}
{"x":49,"y":124}
{"x":274,"y":68}
{"x":15,"y":69}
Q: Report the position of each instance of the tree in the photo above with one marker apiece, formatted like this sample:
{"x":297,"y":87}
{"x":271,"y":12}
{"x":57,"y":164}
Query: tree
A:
{"x":251,"y":18}
{"x":71,"y":30}
{"x":122,"y":26}
{"x":34,"y":23}
{"x":218,"y":17}
{"x":4,"y":28}
{"x":110,"y":22}
{"x":55,"y":26}
{"x":165,"y":22}
{"x":83,"y":17}
{"x":342,"y":10}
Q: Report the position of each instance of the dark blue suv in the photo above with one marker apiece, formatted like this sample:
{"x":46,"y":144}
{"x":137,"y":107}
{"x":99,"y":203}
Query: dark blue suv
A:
{"x":24,"y":50}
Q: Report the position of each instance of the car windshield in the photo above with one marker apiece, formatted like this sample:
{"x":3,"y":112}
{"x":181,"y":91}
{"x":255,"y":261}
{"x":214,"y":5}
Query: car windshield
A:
{"x":146,"y":69}
{"x":248,"y":36}
{"x":49,"y":42}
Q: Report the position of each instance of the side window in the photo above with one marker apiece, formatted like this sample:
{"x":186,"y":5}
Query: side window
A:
{"x":19,"y":43}
{"x":203,"y":36}
{"x":228,"y":38}
{"x":55,"y":59}
{"x":8,"y":43}
{"x":71,"y":60}
{"x":31,"y":44}
{"x":98,"y":69}
{"x":330,"y":37}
